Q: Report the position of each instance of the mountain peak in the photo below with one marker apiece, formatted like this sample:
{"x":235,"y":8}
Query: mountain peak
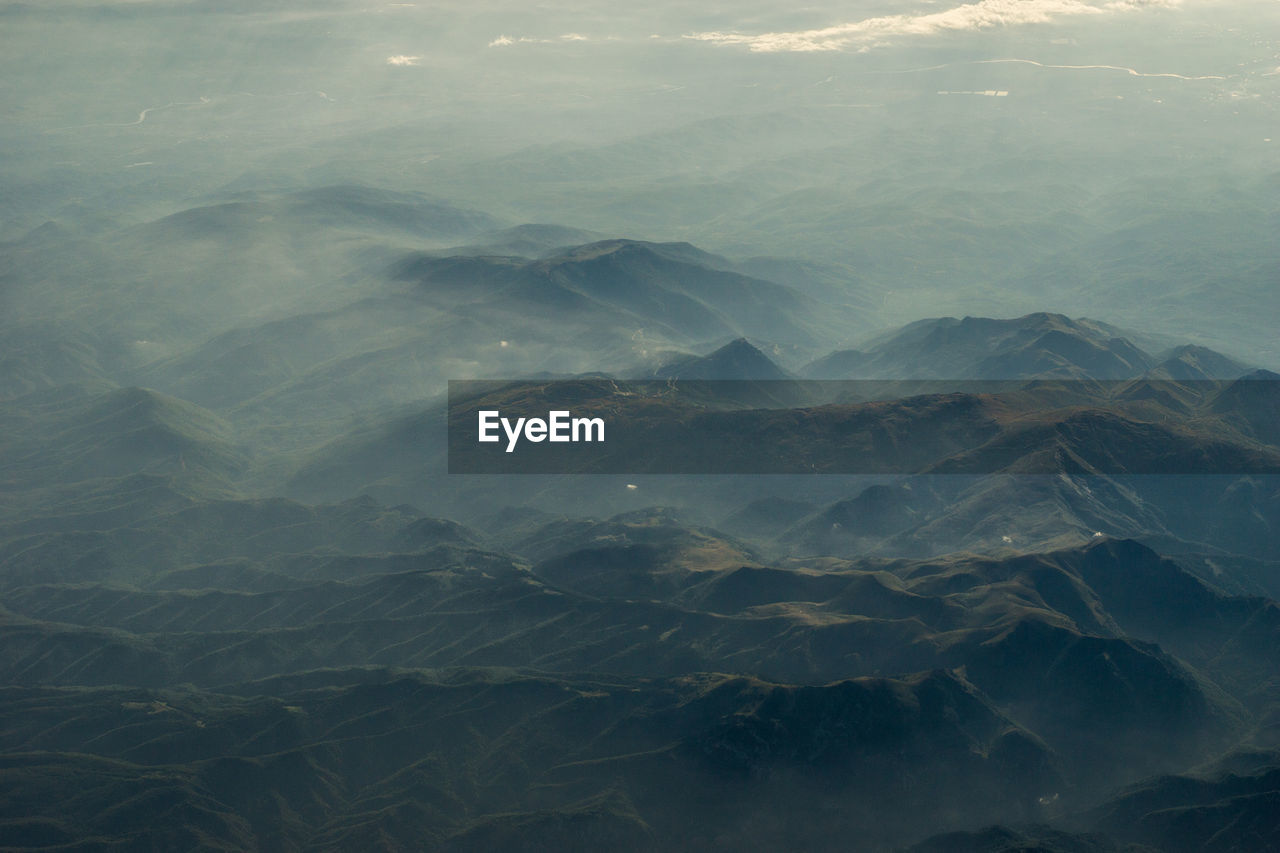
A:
{"x":1197,"y":362}
{"x":1039,"y":344}
{"x":1034,"y":320}
{"x":738,"y":359}
{"x":624,"y":248}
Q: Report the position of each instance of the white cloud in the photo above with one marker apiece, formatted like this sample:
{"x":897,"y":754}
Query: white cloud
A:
{"x":970,"y":16}
{"x":403,"y":60}
{"x":505,"y":40}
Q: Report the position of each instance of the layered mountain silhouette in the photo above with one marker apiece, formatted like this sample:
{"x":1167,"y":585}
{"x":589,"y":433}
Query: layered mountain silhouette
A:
{"x":76,"y":433}
{"x":244,"y":605}
{"x":297,"y":655}
{"x":982,"y":348}
{"x":673,"y":289}
{"x":736,"y":360}
{"x":934,"y":345}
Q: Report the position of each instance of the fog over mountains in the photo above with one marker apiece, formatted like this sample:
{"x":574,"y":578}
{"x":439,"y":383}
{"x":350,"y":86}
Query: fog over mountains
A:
{"x":1015,"y":259}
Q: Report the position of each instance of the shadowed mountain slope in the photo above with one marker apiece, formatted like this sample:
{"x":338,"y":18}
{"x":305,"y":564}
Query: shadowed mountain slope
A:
{"x":738,"y":359}
{"x":982,"y":348}
{"x":675,"y":290}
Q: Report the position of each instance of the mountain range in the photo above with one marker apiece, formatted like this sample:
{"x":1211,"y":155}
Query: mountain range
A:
{"x":245,"y":607}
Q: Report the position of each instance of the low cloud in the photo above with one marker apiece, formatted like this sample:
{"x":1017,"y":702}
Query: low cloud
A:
{"x":971,"y":16}
{"x":403,"y":60}
{"x":506,"y":41}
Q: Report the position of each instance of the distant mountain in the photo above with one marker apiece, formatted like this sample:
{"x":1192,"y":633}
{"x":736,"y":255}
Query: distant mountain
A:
{"x":981,"y":348}
{"x":137,"y":540}
{"x":268,"y":759}
{"x":412,"y":443}
{"x":738,"y":359}
{"x":670,"y":290}
{"x":1097,"y":441}
{"x":839,"y":284}
{"x":945,"y":651}
{"x":153,"y":290}
{"x":526,"y":241}
{"x":874,"y":514}
{"x":1219,"y":811}
{"x":78,"y":433}
{"x":45,"y":354}
{"x":1253,"y":403}
{"x":1101,"y":441}
{"x":1197,"y":363}
{"x":605,"y":306}
{"x":992,"y":581}
{"x":1043,"y":638}
{"x":767,"y":517}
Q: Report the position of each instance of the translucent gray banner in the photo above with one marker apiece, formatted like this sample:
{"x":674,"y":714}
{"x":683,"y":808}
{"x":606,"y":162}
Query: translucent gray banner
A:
{"x":598,"y":425}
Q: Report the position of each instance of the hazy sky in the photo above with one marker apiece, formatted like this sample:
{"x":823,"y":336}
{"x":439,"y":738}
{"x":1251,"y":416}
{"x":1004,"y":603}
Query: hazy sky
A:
{"x":988,"y":137}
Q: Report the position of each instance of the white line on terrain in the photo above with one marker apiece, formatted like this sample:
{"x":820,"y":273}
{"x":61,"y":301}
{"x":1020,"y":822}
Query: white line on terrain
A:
{"x":204,"y":101}
{"x":1131,"y":71}
{"x":142,"y":116}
